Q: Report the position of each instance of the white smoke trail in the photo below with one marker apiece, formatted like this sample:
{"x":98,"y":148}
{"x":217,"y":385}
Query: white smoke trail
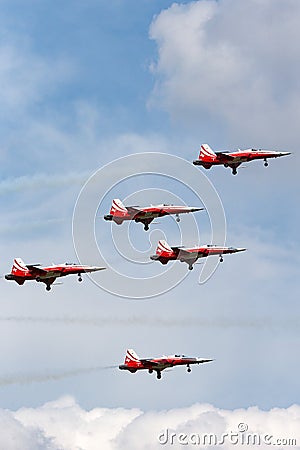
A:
{"x":221,"y":322}
{"x":41,"y":378}
{"x":41,"y":180}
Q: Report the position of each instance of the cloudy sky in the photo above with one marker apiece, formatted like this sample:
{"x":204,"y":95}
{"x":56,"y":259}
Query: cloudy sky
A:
{"x":82,"y":85}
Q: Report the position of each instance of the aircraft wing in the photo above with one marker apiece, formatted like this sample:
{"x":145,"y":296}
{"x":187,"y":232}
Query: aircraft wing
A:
{"x":34,"y":269}
{"x":149,"y":361}
{"x":187,"y":254}
{"x":133,"y":210}
{"x":225,"y":155}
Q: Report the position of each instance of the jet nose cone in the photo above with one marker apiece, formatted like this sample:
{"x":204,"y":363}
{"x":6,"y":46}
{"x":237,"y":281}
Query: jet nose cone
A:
{"x":203,"y":360}
{"x":196,"y":209}
{"x":240,"y":249}
{"x":279,"y":153}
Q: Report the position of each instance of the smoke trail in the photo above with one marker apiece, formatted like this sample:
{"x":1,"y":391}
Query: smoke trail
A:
{"x":41,"y":180}
{"x":36,"y":378}
{"x":184,"y":322}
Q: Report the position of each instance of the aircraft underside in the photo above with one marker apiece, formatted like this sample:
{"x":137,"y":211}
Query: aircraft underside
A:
{"x":232,"y":165}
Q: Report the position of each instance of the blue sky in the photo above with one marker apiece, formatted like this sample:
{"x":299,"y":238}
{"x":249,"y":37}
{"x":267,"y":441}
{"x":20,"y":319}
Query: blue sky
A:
{"x":107,"y":46}
{"x":84,"y":83}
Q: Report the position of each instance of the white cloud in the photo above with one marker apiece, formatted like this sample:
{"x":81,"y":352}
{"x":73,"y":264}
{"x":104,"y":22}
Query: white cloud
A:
{"x":234,"y":62}
{"x":15,"y":436}
{"x":64,"y":425}
{"x":71,"y":427}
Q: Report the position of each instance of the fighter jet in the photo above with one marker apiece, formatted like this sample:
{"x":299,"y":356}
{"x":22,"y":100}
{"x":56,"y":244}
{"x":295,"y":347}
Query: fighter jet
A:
{"x":145,"y":215}
{"x":165,"y":253}
{"x":208,"y":158}
{"x":133,"y":363}
{"x":22,"y":272}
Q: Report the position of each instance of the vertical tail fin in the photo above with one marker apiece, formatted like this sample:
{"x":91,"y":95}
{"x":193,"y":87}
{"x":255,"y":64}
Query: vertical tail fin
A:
{"x":117,"y":208}
{"x":131,"y":357}
{"x":163,"y":248}
{"x":19,"y":267}
{"x":206,"y":153}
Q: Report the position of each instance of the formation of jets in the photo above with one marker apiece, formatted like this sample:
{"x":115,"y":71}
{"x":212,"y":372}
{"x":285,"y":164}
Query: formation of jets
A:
{"x":208,"y":158}
{"x":119,"y":213}
{"x":133,"y":363}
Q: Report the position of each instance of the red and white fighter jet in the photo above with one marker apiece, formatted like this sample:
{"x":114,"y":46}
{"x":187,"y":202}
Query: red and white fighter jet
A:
{"x":22,"y":272}
{"x":134,"y":363}
{"x":208,"y":157}
{"x":165,"y":253}
{"x":119,"y":212}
